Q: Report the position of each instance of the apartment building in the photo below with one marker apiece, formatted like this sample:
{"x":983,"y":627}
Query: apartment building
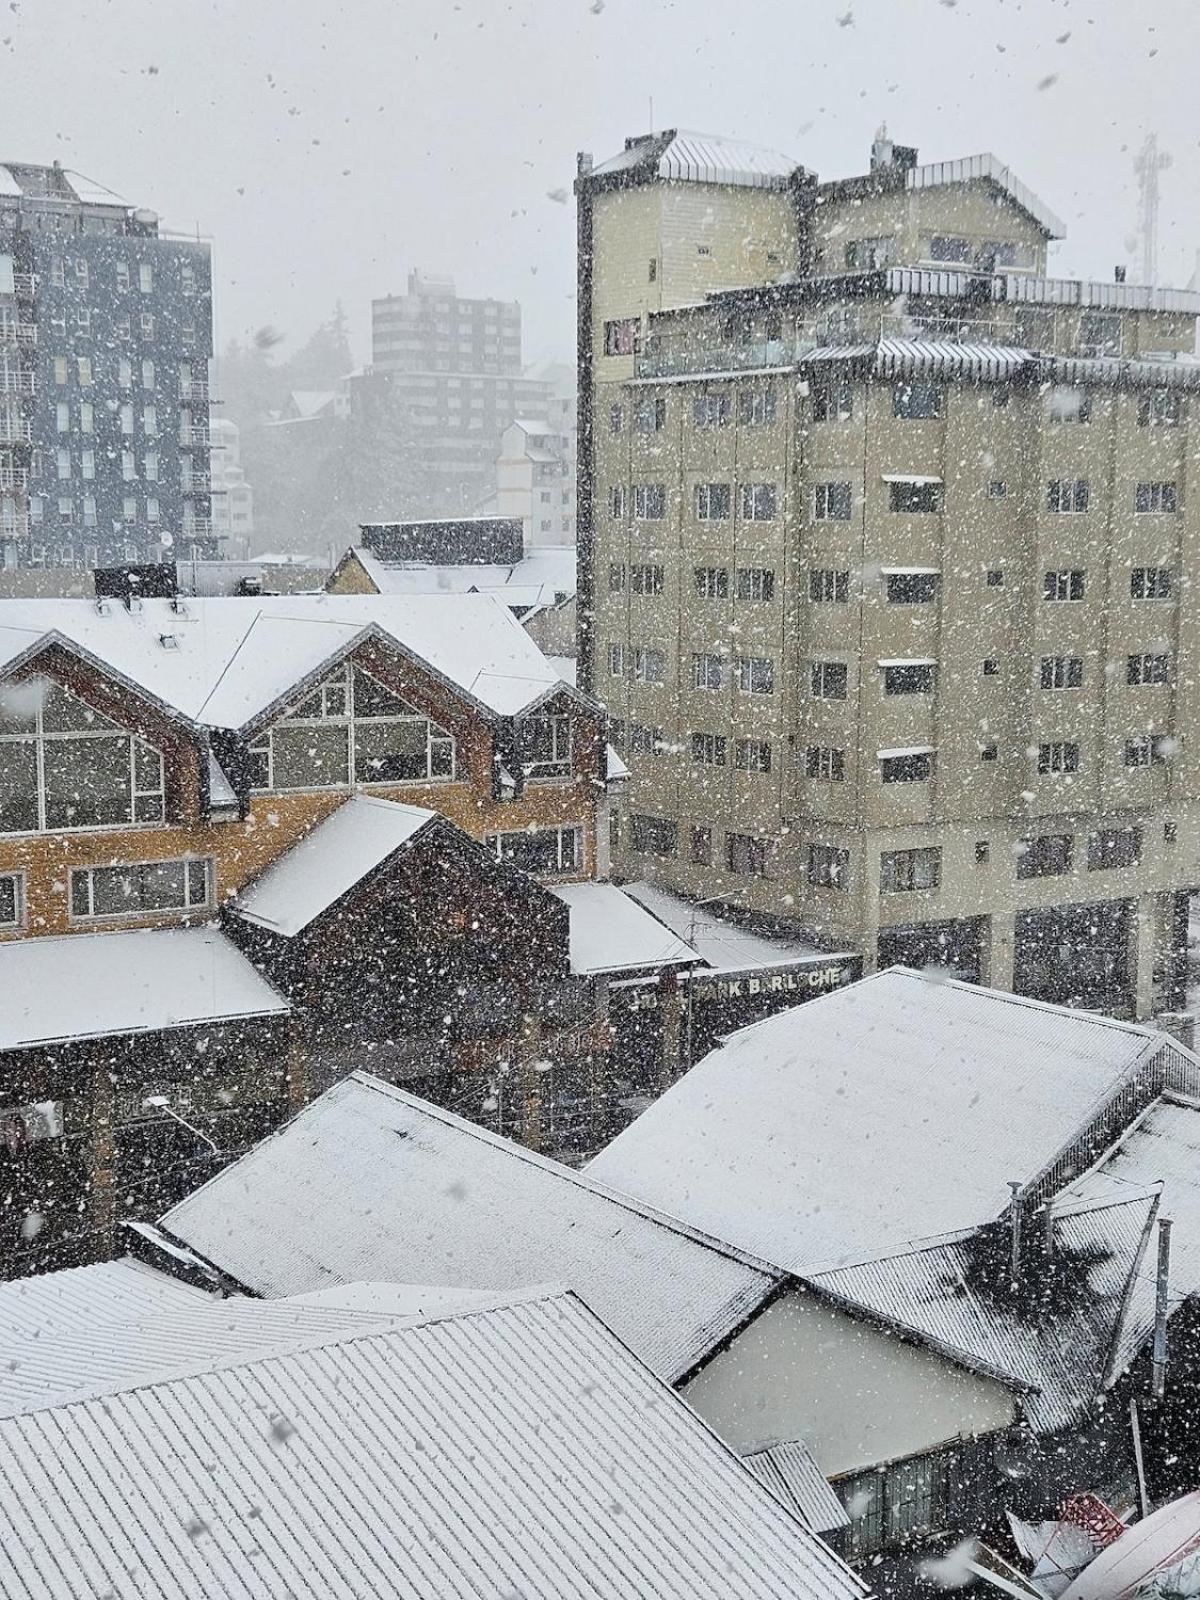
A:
{"x":105,"y":337}
{"x":450,"y":369}
{"x":885,"y":538}
{"x":232,"y":496}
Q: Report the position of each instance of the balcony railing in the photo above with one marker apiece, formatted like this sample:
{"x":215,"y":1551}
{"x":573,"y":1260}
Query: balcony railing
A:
{"x":15,"y":430}
{"x":18,"y":332}
{"x":196,"y":391}
{"x":197,"y":527}
{"x":195,"y":438}
{"x":198,"y":483}
{"x":14,"y":526}
{"x":18,"y":382}
{"x":24,"y":285}
{"x":715,"y":358}
{"x":14,"y":477}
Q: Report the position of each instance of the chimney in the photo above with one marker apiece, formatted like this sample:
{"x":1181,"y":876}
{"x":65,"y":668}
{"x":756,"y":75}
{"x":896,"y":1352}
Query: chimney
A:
{"x":881,"y":149}
{"x":583,"y":163}
{"x":1119,"y":274}
{"x":1159,"y":1366}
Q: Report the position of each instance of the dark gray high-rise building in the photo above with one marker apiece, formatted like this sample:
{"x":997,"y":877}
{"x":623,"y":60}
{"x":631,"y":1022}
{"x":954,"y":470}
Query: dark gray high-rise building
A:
{"x":105,"y":339}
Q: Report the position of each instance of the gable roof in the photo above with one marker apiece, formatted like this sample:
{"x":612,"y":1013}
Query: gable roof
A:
{"x":422,"y":1454}
{"x":226,"y":662}
{"x":398,"y":1189}
{"x":138,"y":981}
{"x":327,"y":863}
{"x":775,"y":1140}
{"x":611,"y":932}
{"x":989,"y":169}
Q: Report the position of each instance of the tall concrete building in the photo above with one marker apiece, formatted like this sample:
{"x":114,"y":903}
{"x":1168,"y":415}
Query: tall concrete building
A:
{"x":105,"y":338}
{"x":453,"y":376}
{"x":886,"y":540}
{"x":232,"y":496}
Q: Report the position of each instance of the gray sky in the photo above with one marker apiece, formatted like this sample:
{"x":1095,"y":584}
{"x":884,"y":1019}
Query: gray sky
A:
{"x":327,"y":149}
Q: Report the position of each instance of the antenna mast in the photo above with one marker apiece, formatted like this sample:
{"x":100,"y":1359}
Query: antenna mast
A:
{"x":1148,"y":163}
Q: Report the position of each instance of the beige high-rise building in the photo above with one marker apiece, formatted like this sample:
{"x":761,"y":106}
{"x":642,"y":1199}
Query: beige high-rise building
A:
{"x":886,"y":549}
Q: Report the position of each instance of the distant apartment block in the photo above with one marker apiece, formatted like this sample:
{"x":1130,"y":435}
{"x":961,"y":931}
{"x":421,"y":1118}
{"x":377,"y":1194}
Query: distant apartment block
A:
{"x":536,"y":473}
{"x":232,"y":496}
{"x":885,"y":543}
{"x":105,"y":339}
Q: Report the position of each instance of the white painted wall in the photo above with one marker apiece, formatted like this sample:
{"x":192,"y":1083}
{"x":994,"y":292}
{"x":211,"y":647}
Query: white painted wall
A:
{"x":857,"y":1396}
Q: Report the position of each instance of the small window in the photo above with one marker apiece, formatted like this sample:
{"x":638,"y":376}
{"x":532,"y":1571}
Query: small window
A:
{"x":916,"y":766}
{"x":1069,"y":405}
{"x":12,"y":900}
{"x":758,"y":502}
{"x":712,"y":583}
{"x":994,"y":578}
{"x":825,"y":584}
{"x":915,"y":499}
{"x":828,"y":867}
{"x":755,"y":583}
{"x":708,"y":671}
{"x":653,"y":836}
{"x":832,"y":400}
{"x":649,"y":665}
{"x":701,"y":847}
{"x":652,"y":270}
{"x":618,"y":501}
{"x":1057,"y":756}
{"x":1063,"y":585}
{"x":646,"y":579}
{"x":906,"y":871}
{"x":1162,"y":409}
{"x":828,"y":680}
{"x":708,"y":749}
{"x":911,"y":588}
{"x":1114,"y":847}
{"x":756,"y":675}
{"x":917,"y":401}
{"x":1148,"y":668}
{"x":146,"y":321}
{"x":983,"y":852}
{"x":1148,"y":750}
{"x":913,"y":677}
{"x":1155,"y":497}
{"x":145,"y":277}
{"x":712,"y":409}
{"x":616,"y":418}
{"x":747,"y":856}
{"x":1150,"y":583}
{"x":83,"y":366}
{"x":989,"y":752}
{"x":1170,"y":832}
{"x":616,"y":577}
{"x":752,"y":755}
{"x":997,"y":489}
{"x":1048,"y":856}
{"x":824,"y":764}
{"x":756,"y":407}
{"x":1067,"y":496}
{"x":714,"y":502}
{"x":140,"y":890}
{"x":649,"y":502}
{"x":651,"y":416}
{"x":1062,"y":672}
{"x":616,"y":660}
{"x":831,"y":502}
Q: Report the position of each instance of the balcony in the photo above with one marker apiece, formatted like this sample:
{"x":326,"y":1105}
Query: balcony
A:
{"x":15,"y":430}
{"x":198,"y":483}
{"x":12,"y":332}
{"x":24,"y":285}
{"x":195,"y":392}
{"x":14,"y":477}
{"x":14,"y":525}
{"x":197,"y":527}
{"x":195,"y":438}
{"x":18,"y":383}
{"x":715,"y":358}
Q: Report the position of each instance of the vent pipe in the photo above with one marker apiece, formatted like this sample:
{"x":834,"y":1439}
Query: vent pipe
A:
{"x":1015,"y":1217}
{"x":1159,"y":1369}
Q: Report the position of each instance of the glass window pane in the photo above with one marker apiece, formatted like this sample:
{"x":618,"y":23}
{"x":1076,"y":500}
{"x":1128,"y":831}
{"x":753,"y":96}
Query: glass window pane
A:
{"x":18,"y":786}
{"x":391,"y":752}
{"x":87,"y":782}
{"x":371,"y":699}
{"x":63,"y":713}
{"x":310,"y":758}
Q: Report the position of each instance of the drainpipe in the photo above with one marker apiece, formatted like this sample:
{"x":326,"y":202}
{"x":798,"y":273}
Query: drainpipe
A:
{"x":1159,"y":1369}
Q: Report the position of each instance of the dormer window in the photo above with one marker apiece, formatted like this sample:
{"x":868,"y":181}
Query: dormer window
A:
{"x":550,"y":747}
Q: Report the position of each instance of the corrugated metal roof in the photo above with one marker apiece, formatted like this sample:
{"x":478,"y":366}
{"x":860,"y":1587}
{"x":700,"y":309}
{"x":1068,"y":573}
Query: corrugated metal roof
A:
{"x":792,"y":1475}
{"x":1183,"y":373}
{"x":775,"y":1140}
{"x":929,"y":358}
{"x":36,"y":1311}
{"x":519,"y":1450}
{"x":340,"y":852}
{"x":1061,"y":1354}
{"x":397,"y":1189}
{"x":968,"y":169}
{"x":687,"y":157}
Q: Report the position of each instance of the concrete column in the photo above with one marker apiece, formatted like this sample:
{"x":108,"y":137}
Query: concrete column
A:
{"x":1144,"y":942}
{"x":670,"y":1008}
{"x":999,"y":951}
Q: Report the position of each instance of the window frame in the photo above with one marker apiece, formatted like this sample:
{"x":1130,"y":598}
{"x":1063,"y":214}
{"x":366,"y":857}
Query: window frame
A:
{"x":561,"y":831}
{"x":189,"y":905}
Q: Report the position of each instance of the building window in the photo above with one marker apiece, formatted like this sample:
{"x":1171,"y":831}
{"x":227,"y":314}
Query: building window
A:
{"x":187,"y":278}
{"x":1048,"y":856}
{"x":1155,"y":497}
{"x":87,"y":463}
{"x":649,"y":665}
{"x":758,"y":502}
{"x":989,"y":752}
{"x":147,"y":374}
{"x":708,"y":671}
{"x":713,"y":502}
{"x":869,"y":255}
{"x":350,"y":724}
{"x":1148,"y":668}
{"x":145,"y":277}
{"x":652,"y":270}
{"x":701,"y":847}
{"x":122,"y":328}
{"x":1148,"y":750}
{"x":907,"y":766}
{"x":83,"y":367}
{"x":1069,"y":405}
{"x":832,"y":400}
{"x":828,"y":867}
{"x":1114,"y":847}
{"x":708,"y":749}
{"x":66,"y":511}
{"x":542,"y":851}
{"x":142,"y":890}
{"x":911,"y":588}
{"x":1100,"y":333}
{"x":646,"y":579}
{"x":903,"y":871}
{"x":616,"y":577}
{"x":1150,"y":583}
{"x":63,"y":461}
{"x":187,"y":331}
{"x":831,"y":502}
{"x":1067,"y":495}
{"x":651,"y":416}
{"x":616,"y":660}
{"x":150,"y":422}
{"x":890,"y":1504}
{"x":128,"y":466}
{"x":649,"y":502}
{"x":1066,"y":585}
{"x":1057,"y":756}
{"x":994,"y":578}
{"x":755,"y":583}
{"x":126,"y":419}
{"x":548,"y":747}
{"x":151,"y":466}
{"x":824,"y":584}
{"x":983,"y":852}
{"x":622,"y":337}
{"x":752,"y":755}
{"x":1162,"y":409}
{"x":824,"y":764}
{"x":644,"y":741}
{"x":1170,"y":832}
{"x":951,"y":247}
{"x":653,"y":836}
{"x":1062,"y":672}
{"x":129,"y":509}
{"x":146,"y":321}
{"x":712,"y":583}
{"x":997,"y":489}
{"x":909,"y":677}
{"x":125,"y":373}
{"x":913,"y":498}
{"x":756,"y":407}
{"x":618,"y":501}
{"x":756,"y":675}
{"x":917,"y":401}
{"x":62,"y":417}
{"x":748,"y":857}
{"x":83,"y":320}
{"x":828,"y":680}
{"x":712,"y":409}
{"x":60,"y":370}
{"x":12,"y":899}
{"x":58,"y":277}
{"x":616,"y":419}
{"x":89,"y":510}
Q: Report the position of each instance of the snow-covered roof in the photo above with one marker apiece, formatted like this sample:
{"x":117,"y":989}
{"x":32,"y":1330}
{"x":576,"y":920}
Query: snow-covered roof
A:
{"x":131,"y":982}
{"x":421,"y":1454}
{"x":792,"y":1476}
{"x":338,"y":853}
{"x":35,"y":1312}
{"x":775,"y":1141}
{"x":721,"y":944}
{"x":1062,"y":1357}
{"x":538,"y":580}
{"x":969,"y":169}
{"x":681,"y":156}
{"x":398,"y":1189}
{"x":65,"y":184}
{"x":233,"y":660}
{"x":611,"y":932}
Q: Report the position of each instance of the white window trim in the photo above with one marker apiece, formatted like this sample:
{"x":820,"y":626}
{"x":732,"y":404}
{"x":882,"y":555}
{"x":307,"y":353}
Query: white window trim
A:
{"x":189,"y":906}
{"x":18,"y":879}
